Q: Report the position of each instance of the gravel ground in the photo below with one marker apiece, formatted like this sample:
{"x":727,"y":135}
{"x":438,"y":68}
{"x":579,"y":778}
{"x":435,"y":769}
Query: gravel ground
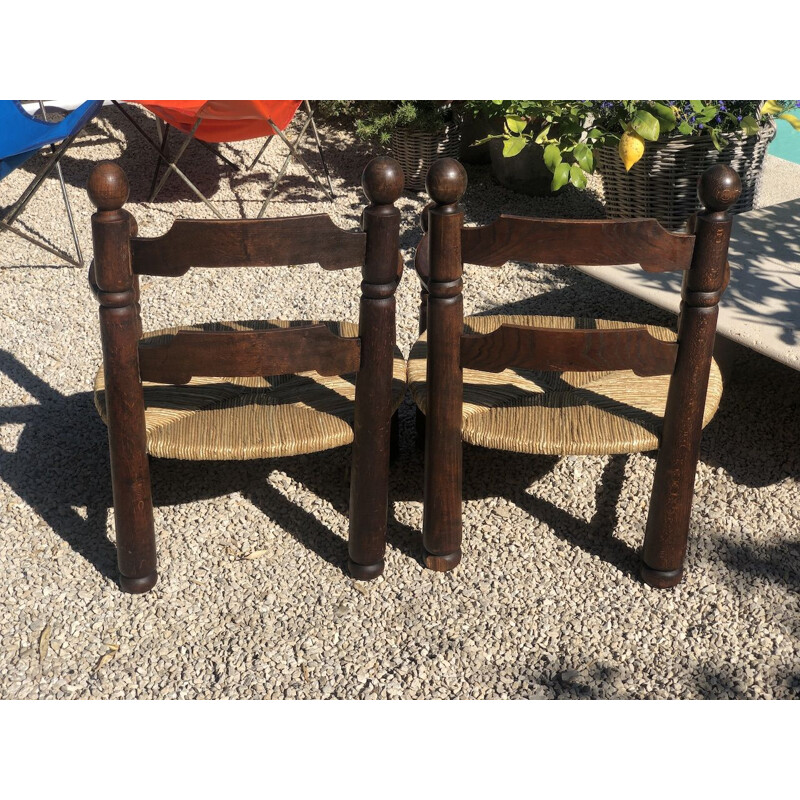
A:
{"x":546,"y":603}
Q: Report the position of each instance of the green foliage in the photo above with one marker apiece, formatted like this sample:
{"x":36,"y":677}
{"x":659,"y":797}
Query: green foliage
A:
{"x":556,"y":125}
{"x":567,"y":130}
{"x":376,"y":120}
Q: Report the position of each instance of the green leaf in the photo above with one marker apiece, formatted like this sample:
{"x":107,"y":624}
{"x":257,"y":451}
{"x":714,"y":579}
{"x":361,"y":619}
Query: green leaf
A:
{"x":594,"y":134}
{"x":560,"y":177}
{"x":663,"y":111}
{"x":697,"y":106}
{"x":749,"y":125}
{"x":552,"y":157}
{"x":583,"y":155}
{"x":577,"y":177}
{"x":791,"y":119}
{"x":516,"y":124}
{"x":513,"y":145}
{"x":685,"y":128}
{"x":646,"y":125}
{"x":542,"y":135}
{"x":716,"y":140}
{"x":666,"y":117}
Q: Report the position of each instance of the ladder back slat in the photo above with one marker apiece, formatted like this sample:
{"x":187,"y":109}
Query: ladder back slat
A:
{"x":247,"y":354}
{"x":584,"y":242}
{"x":557,"y":350}
{"x":313,"y":239}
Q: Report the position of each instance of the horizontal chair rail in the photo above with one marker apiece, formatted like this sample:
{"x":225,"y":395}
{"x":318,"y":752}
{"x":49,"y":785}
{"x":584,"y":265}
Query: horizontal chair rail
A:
{"x":585,"y":242}
{"x":313,"y":239}
{"x":557,"y":350}
{"x":248,"y":354}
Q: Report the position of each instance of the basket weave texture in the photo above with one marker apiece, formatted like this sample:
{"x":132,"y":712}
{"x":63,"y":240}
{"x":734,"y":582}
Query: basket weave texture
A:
{"x":663,"y":184}
{"x":232,"y":419}
{"x":417,"y":150}
{"x":559,"y":413}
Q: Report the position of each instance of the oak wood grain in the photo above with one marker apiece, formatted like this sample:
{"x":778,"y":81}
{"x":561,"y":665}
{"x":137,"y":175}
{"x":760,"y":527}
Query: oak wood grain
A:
{"x":312,"y":239}
{"x":246,"y":354}
{"x":558,"y":350}
{"x":586,"y":242}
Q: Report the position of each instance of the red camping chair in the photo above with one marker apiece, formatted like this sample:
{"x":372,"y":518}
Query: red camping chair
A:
{"x":227,"y":121}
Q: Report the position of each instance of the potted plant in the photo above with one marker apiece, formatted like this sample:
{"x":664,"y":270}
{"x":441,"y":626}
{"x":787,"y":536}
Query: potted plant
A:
{"x":649,"y":153}
{"x":538,"y":146}
{"x":416,"y":132}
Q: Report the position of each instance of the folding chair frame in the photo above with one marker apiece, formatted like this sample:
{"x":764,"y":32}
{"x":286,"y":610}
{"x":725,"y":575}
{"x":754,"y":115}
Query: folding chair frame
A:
{"x":172,"y":163}
{"x":13,"y":211}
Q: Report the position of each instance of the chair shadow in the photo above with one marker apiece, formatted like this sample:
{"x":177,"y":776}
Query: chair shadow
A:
{"x":177,"y":482}
{"x":55,"y":466}
{"x":60,"y":466}
{"x":510,"y":474}
{"x":491,"y":473}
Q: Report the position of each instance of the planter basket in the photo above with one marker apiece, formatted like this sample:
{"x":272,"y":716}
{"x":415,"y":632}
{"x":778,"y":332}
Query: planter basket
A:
{"x":417,"y":150}
{"x":663,"y":184}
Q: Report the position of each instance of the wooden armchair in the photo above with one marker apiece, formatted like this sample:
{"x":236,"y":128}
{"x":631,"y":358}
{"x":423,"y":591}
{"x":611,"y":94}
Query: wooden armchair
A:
{"x":251,"y":389}
{"x":567,"y":386}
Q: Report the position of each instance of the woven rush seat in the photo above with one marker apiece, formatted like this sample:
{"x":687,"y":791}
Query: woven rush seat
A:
{"x":244,"y":418}
{"x":570,"y":413}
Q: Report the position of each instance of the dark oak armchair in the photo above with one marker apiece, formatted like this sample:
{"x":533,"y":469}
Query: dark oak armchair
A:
{"x":567,"y":385}
{"x":254,"y":389}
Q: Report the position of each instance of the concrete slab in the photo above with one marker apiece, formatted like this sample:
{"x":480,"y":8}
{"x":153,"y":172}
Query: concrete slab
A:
{"x":761,"y":307}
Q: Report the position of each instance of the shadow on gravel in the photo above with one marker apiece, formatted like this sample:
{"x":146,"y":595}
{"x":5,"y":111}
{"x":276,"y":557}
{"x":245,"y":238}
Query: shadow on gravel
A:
{"x":60,"y":464}
{"x":778,"y":563}
{"x":493,"y":473}
{"x":561,"y":680}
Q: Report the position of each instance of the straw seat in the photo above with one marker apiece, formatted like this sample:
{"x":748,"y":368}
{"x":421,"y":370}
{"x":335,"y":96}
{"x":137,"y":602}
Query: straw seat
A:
{"x":244,"y":418}
{"x":552,"y":413}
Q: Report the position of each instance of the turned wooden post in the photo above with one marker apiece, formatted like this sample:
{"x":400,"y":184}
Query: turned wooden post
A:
{"x":120,"y":329}
{"x":667,"y":529}
{"x":422,"y":267}
{"x":441,"y":525}
{"x":382,"y":182}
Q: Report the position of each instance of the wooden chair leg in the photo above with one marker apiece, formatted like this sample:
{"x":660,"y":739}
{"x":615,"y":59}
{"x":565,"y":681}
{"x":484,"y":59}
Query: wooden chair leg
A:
{"x":369,"y":482}
{"x":369,"y":494}
{"x":667,"y":532}
{"x":369,"y":477}
{"x":133,"y":515}
{"x":120,"y":329}
{"x":441,"y":523}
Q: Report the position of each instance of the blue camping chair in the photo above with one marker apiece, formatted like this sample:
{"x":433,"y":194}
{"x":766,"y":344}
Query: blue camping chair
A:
{"x":22,"y":137}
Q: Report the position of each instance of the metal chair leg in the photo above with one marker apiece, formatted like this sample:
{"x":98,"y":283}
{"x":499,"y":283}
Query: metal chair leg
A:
{"x":173,"y":166}
{"x":293,"y":153}
{"x":319,"y":146}
{"x":79,"y":262}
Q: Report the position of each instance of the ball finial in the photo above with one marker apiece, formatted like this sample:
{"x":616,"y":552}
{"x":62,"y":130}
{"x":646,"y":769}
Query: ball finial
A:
{"x":446,"y":181}
{"x":719,"y":187}
{"x":108,"y":187}
{"x":383,"y":181}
